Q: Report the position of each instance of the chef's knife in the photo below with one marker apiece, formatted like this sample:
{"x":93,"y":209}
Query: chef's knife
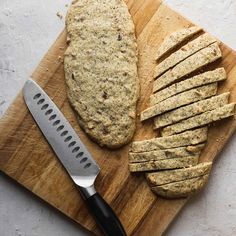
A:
{"x":73,"y":155}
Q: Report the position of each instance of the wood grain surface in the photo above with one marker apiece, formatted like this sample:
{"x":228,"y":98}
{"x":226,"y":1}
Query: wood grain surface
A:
{"x":26,"y":157}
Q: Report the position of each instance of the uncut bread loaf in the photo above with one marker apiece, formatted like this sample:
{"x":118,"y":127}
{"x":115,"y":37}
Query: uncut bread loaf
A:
{"x":101,"y":70}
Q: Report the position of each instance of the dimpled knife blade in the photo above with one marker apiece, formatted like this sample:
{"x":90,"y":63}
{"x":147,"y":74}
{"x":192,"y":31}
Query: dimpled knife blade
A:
{"x":65,"y":142}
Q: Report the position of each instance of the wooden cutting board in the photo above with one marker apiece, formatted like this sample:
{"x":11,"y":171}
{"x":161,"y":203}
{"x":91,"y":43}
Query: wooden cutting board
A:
{"x":26,"y":157}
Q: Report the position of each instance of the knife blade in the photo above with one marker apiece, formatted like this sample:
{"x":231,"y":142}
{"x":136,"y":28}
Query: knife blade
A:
{"x":72,"y":154}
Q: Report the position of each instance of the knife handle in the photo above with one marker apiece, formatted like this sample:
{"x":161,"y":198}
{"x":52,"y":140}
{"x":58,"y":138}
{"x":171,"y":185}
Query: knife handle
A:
{"x":105,"y":216}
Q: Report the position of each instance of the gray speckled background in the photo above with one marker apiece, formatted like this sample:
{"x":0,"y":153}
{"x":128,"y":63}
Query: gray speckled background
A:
{"x":27,"y":30}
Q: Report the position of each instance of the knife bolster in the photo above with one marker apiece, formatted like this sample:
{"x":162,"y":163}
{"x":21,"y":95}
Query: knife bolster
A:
{"x":87,"y":192}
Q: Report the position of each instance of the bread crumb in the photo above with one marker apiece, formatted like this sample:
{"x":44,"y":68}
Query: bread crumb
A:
{"x":59,"y":15}
{"x":59,"y":59}
{"x":68,"y":40}
{"x":132,"y":114}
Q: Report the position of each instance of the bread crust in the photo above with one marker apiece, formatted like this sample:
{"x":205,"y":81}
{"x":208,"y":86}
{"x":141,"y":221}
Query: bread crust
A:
{"x":191,"y":110}
{"x":172,"y":176}
{"x":179,"y":100}
{"x":187,"y":138}
{"x":200,"y":120}
{"x":184,"y":52}
{"x":208,"y":77}
{"x":191,"y":64}
{"x":175,"y":39}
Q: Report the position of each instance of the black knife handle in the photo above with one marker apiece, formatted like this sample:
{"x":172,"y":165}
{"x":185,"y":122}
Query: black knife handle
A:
{"x":105,"y":216}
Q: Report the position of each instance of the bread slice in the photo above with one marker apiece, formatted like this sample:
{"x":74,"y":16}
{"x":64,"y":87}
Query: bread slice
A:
{"x":165,"y":154}
{"x":175,"y":39}
{"x":101,"y":70}
{"x":200,"y":120}
{"x":208,"y":77}
{"x":182,"y":188}
{"x":188,"y":138}
{"x":179,"y":100}
{"x":191,"y":64}
{"x":174,"y":163}
{"x":184,"y":52}
{"x":191,"y":110}
{"x":171,"y":176}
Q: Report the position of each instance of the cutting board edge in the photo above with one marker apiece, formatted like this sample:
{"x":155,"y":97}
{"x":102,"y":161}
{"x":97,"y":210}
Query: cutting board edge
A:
{"x":35,"y":77}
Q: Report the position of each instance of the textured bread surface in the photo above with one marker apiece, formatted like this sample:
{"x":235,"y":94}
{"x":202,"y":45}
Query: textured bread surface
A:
{"x":174,"y":163}
{"x":184,"y":52}
{"x":179,"y":100}
{"x":101,"y":70}
{"x":208,"y":77}
{"x":191,"y":64}
{"x":182,"y":188}
{"x":187,"y":138}
{"x":175,"y":39}
{"x":191,"y":110}
{"x":165,"y":154}
{"x":171,"y":176}
{"x":200,"y":120}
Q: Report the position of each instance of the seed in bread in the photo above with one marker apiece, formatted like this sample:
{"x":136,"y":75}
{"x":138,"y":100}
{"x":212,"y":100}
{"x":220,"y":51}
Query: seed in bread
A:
{"x":191,"y":64}
{"x":182,"y":188}
{"x":174,"y":163}
{"x":184,"y":52}
{"x":200,"y":120}
{"x":208,"y":77}
{"x":187,"y":138}
{"x":179,"y":100}
{"x":171,"y":176}
{"x":175,"y":39}
{"x":165,"y":154}
{"x":101,"y":70}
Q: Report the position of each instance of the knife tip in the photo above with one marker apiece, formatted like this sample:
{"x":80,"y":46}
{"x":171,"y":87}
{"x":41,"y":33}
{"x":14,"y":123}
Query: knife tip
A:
{"x":28,"y":86}
{"x":28,"y":82}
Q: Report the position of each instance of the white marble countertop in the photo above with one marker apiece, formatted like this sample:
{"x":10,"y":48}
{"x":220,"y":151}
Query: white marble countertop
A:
{"x":27,"y":30}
